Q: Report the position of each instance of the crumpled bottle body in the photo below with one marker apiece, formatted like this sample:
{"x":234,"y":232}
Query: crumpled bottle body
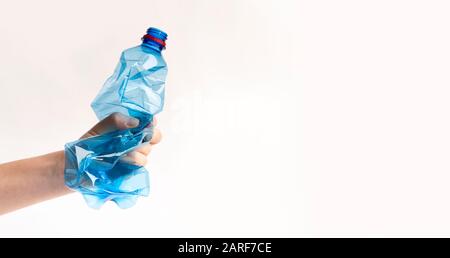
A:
{"x":93,"y":165}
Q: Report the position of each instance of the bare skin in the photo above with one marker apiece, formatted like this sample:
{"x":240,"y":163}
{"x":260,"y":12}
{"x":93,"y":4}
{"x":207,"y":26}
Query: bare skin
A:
{"x":29,"y":181}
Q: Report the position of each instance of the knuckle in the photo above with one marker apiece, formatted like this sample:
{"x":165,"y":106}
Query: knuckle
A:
{"x":138,"y":158}
{"x":115,"y":117}
{"x":140,"y":161}
{"x":145,"y":149}
{"x":157,"y":136}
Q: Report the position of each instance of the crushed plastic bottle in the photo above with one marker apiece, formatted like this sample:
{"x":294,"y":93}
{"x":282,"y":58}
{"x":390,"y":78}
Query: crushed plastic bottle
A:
{"x":93,"y":166}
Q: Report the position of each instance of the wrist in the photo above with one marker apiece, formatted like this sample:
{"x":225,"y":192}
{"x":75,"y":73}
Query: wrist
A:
{"x":58,"y":171}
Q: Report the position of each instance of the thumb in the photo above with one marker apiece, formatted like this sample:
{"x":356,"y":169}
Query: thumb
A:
{"x":115,"y":121}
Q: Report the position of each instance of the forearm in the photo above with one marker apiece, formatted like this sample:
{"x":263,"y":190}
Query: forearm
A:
{"x":29,"y":181}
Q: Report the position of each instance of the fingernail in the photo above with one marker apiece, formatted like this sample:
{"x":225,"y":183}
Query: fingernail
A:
{"x":148,"y":137}
{"x":132,"y":122}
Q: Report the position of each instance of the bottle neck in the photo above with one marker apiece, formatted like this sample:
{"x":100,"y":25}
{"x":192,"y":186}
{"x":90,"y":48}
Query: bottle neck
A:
{"x":152,"y":45}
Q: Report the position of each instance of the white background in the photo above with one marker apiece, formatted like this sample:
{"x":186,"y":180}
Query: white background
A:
{"x":283,"y":118}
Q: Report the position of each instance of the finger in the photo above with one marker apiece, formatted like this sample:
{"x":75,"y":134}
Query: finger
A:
{"x":156,"y":138}
{"x":135,"y":158}
{"x":144,"y":149}
{"x":115,"y":121}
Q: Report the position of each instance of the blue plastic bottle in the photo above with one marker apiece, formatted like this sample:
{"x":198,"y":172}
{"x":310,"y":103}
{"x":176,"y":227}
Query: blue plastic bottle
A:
{"x":136,"y":89}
